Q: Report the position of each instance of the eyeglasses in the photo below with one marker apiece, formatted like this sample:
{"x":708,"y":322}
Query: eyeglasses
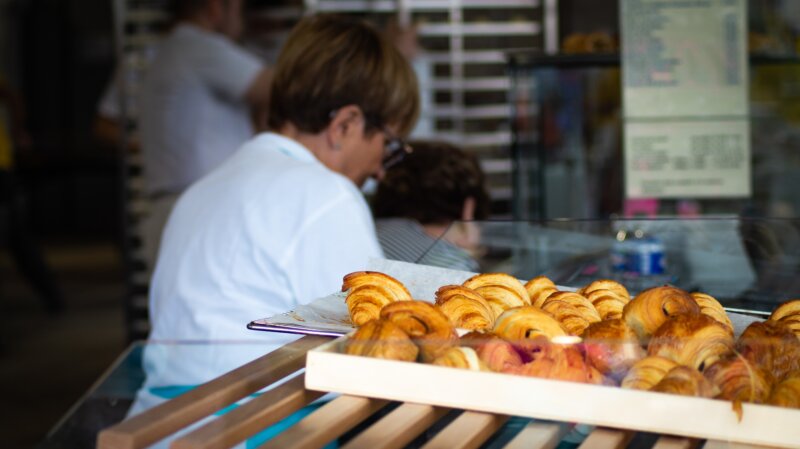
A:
{"x":395,"y":149}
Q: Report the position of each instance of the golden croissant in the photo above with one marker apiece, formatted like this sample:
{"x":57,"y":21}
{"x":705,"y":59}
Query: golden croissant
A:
{"x":465,"y":307}
{"x":739,"y":380}
{"x":772,"y":346}
{"x":786,"y":393}
{"x":501,"y":290}
{"x":609,"y":285}
{"x":518,"y":324}
{"x":608,"y":304}
{"x":788,"y":313}
{"x":368,"y":292}
{"x":711,"y":307}
{"x":647,"y":372}
{"x":612,"y":347}
{"x":685,"y":381}
{"x":427,"y":326}
{"x":560,"y":362}
{"x":381,"y":339}
{"x":540,"y":285}
{"x":692,"y":340}
{"x":649,"y":309}
{"x":542,"y":295}
{"x":573,"y":311}
{"x":459,"y":357}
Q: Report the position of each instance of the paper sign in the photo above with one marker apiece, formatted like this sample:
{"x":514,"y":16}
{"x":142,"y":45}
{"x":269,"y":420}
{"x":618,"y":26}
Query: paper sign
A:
{"x":686,"y":99}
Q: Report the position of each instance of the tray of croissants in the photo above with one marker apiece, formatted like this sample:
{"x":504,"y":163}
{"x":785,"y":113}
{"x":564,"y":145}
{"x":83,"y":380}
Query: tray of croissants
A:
{"x":665,"y":361}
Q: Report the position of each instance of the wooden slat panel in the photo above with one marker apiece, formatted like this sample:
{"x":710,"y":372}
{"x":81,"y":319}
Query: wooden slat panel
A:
{"x":157,"y":423}
{"x":728,"y":445}
{"x":667,"y":442}
{"x":607,"y":439}
{"x":468,"y":431}
{"x":398,"y":428}
{"x":248,"y":419}
{"x":329,"y":422}
{"x":539,"y":435}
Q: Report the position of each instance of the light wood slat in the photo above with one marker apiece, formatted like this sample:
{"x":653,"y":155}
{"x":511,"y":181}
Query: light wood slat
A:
{"x":329,"y":422}
{"x":715,"y":444}
{"x":398,"y":428}
{"x":538,"y":435}
{"x":468,"y":431}
{"x":157,"y":423}
{"x":250,"y":418}
{"x":607,"y":439}
{"x":667,"y":442}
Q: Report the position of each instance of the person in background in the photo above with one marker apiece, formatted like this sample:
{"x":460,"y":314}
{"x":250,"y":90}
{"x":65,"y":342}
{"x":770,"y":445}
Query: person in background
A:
{"x":281,"y":221}
{"x":420,"y":199}
{"x":198,"y":100}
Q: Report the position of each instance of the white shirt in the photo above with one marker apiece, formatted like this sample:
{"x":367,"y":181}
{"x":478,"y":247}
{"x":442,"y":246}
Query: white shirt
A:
{"x":193,"y":112}
{"x":269,"y":229}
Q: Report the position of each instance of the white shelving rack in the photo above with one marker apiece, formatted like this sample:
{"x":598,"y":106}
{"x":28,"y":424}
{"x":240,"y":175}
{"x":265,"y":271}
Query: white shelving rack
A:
{"x":137,"y":28}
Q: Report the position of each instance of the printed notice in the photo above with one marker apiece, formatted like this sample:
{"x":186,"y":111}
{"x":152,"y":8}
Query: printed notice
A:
{"x":699,"y":160}
{"x":685,"y":98}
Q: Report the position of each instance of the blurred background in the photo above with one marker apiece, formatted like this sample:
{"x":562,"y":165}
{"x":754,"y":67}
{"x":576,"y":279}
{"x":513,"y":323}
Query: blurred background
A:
{"x":545,"y":124}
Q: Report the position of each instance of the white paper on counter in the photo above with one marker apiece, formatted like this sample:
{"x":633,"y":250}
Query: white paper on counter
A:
{"x":329,"y":316}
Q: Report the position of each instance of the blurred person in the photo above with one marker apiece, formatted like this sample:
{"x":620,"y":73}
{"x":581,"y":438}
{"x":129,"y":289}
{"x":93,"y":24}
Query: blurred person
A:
{"x":434,"y":192}
{"x":199,"y":97}
{"x":14,"y":224}
{"x":282,"y":220}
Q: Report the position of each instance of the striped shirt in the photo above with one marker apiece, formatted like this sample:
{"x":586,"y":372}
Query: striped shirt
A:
{"x":405,"y":240}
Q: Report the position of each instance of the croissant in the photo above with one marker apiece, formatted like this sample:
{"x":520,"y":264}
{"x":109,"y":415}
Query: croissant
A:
{"x":685,"y":381}
{"x":560,"y":362}
{"x":711,"y":307}
{"x":606,"y":284}
{"x":772,"y":346}
{"x":459,"y":357}
{"x":528,"y":322}
{"x":788,"y":313}
{"x":381,"y":339}
{"x":583,"y":305}
{"x":612,"y":347}
{"x":648,"y":310}
{"x":739,"y":380}
{"x":501,"y":290}
{"x":786,"y":394}
{"x":573,"y":311}
{"x":542,"y":296}
{"x":427,"y":326}
{"x":369,"y":291}
{"x":464,"y":307}
{"x":540,"y":285}
{"x":647,"y":372}
{"x":692,"y":340}
{"x":608,"y":304}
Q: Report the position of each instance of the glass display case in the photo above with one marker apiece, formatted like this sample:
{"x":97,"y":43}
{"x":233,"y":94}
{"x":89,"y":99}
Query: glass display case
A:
{"x":749,"y":265}
{"x":746,"y":263}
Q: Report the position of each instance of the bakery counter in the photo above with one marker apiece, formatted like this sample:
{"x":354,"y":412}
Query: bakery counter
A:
{"x":273,"y":391}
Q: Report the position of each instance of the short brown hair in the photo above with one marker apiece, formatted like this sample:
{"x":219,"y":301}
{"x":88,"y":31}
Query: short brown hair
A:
{"x":331,"y":61}
{"x":431,"y":184}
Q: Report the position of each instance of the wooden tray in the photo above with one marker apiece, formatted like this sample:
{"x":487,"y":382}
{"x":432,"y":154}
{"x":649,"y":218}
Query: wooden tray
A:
{"x":440,"y":427}
{"x":328,"y":369}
